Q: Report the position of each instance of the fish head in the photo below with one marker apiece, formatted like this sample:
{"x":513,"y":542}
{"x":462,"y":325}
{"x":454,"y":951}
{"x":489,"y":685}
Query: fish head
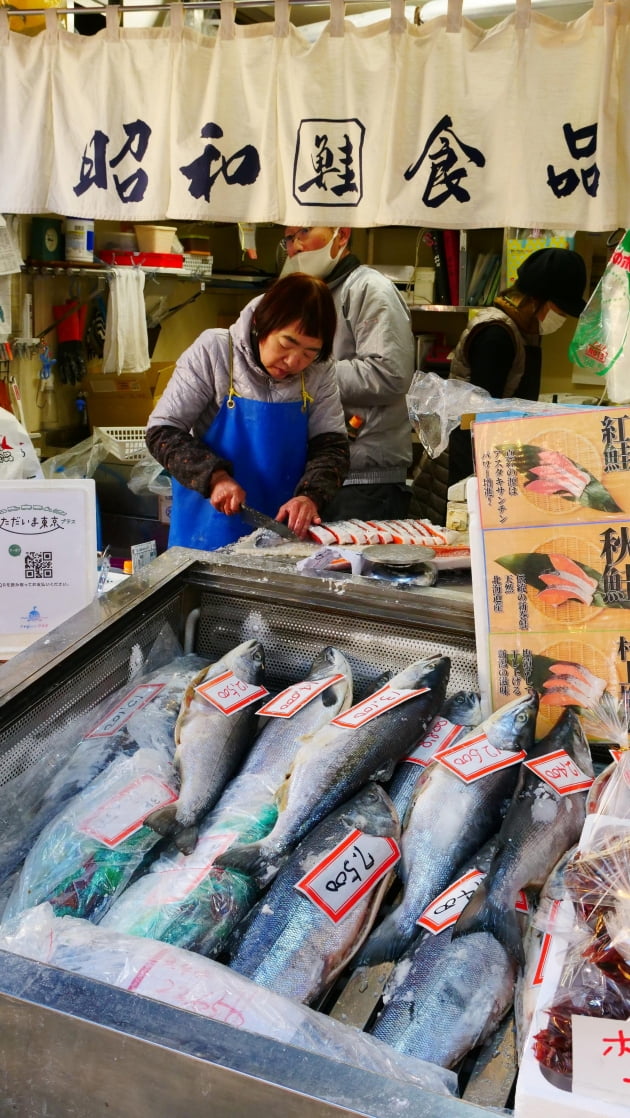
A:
{"x":431,"y":672}
{"x":247,"y":661}
{"x":372,"y":812}
{"x":511,"y":727}
{"x":463,"y":708}
{"x":330,"y":661}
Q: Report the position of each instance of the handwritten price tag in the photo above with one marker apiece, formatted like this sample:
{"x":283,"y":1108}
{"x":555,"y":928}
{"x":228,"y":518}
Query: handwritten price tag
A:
{"x":289,"y":701}
{"x":560,"y":772}
{"x":124,"y":812}
{"x":475,"y":757}
{"x":382,"y":700}
{"x":545,"y":946}
{"x":134,"y":701}
{"x":187,"y":871}
{"x":440,"y":735}
{"x":349,"y":872}
{"x":228,"y":693}
{"x":449,"y":905}
{"x":616,"y":754}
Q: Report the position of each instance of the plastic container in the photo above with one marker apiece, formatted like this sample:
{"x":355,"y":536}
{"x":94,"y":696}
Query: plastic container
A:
{"x":79,"y":239}
{"x":115,"y":240}
{"x":155,"y":238}
{"x":168,"y":260}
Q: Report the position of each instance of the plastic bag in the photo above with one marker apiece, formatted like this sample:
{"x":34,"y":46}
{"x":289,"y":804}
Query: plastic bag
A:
{"x":599,"y":342}
{"x":17,"y":454}
{"x":80,"y":461}
{"x":198,"y":985}
{"x":436,"y":406}
{"x":148,"y":476}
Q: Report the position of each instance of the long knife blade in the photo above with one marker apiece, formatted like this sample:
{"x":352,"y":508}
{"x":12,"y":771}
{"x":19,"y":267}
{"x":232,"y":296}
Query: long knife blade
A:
{"x":259,"y":520}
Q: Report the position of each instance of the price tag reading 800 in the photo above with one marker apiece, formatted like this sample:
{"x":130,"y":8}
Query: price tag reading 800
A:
{"x":351,"y":870}
{"x":449,"y":905}
{"x":228,"y":693}
{"x":475,"y":757}
{"x":289,"y":701}
{"x":440,"y":735}
{"x":560,"y":772}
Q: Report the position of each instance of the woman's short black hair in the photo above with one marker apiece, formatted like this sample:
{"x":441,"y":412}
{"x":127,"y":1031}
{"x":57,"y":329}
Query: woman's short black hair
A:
{"x":298,"y":298}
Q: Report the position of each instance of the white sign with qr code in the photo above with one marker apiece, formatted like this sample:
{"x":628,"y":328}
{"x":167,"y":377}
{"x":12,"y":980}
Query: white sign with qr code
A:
{"x":47,"y":556}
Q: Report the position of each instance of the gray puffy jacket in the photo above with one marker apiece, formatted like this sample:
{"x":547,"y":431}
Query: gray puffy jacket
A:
{"x":374,"y":364}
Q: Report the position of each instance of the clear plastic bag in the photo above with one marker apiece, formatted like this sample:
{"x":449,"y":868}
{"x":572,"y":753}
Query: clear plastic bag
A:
{"x":599,"y":342}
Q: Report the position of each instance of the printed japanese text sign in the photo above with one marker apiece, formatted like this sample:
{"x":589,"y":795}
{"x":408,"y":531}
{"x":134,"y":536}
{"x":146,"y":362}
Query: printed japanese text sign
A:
{"x":382,"y":700}
{"x":47,"y":555}
{"x":601,"y":1058}
{"x":349,"y":872}
{"x":476,"y":757}
{"x":230,"y":694}
{"x":294,"y":698}
{"x":560,"y":772}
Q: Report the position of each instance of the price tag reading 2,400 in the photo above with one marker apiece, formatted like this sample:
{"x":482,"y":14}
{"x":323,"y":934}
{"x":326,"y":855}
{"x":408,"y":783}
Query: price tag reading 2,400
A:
{"x":348,"y":872}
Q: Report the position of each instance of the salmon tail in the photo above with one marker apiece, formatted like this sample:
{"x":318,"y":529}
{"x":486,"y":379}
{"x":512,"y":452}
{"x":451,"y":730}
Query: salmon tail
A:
{"x":186,"y":839}
{"x":386,"y":943}
{"x":483,"y":915}
{"x":254,"y":859}
{"x":163,"y":820}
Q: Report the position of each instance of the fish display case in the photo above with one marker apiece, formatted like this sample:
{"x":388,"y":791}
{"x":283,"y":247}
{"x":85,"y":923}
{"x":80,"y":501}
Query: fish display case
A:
{"x":76,"y":1046}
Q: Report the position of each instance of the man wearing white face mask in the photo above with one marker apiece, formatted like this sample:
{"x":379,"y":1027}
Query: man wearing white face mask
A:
{"x":374,"y":362}
{"x":500,"y":350}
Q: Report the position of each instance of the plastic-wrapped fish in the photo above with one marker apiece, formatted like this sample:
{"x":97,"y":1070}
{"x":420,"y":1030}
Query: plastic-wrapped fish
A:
{"x":448,"y":820}
{"x":335,"y":762}
{"x":185,"y":899}
{"x":141,"y":713}
{"x":190,"y":982}
{"x":288,"y":942}
{"x":87,"y":854}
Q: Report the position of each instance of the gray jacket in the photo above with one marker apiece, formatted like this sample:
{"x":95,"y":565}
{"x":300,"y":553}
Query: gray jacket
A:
{"x":374,"y":364}
{"x":200,"y":383}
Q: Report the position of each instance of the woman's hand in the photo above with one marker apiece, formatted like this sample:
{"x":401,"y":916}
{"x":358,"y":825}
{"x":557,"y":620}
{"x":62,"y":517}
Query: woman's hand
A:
{"x":226,"y":495}
{"x":299,"y":513}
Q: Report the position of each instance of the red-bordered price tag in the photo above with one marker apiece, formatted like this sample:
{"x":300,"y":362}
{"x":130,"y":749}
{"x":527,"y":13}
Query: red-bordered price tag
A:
{"x":440,"y":735}
{"x":475,"y":757}
{"x":187,"y":871}
{"x":545,"y":946}
{"x":446,"y":909}
{"x":125,"y":811}
{"x":134,"y":701}
{"x":448,"y":906}
{"x":382,"y":700}
{"x":228,"y":693}
{"x":560,"y":772}
{"x":617,"y":754}
{"x":292,"y":699}
{"x":344,"y":876}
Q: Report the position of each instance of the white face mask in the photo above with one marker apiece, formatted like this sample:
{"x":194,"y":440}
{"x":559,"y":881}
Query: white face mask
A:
{"x":551,"y":322}
{"x":316,"y":262}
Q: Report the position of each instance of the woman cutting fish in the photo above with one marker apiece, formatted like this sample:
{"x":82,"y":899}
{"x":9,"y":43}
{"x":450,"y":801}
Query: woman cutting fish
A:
{"x":253,"y":413}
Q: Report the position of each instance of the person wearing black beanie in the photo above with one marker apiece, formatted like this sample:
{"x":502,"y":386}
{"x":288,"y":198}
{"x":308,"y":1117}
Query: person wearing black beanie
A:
{"x":500,"y":350}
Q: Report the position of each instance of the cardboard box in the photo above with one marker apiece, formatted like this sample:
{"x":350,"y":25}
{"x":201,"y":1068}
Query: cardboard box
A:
{"x":125,"y":399}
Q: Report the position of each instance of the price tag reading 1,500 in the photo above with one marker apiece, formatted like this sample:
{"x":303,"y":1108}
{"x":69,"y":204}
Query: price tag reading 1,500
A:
{"x":348,"y":872}
{"x":560,"y":772}
{"x":228,"y":693}
{"x":383,"y":699}
{"x":476,"y":757}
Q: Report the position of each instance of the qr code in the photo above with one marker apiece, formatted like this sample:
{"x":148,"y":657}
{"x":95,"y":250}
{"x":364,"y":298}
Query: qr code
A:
{"x":38,"y":564}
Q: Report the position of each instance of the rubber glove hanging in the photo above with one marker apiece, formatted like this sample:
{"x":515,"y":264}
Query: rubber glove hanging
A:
{"x":70,"y":319}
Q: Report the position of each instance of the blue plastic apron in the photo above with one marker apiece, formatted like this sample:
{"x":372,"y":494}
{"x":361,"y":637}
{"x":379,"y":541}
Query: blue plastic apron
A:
{"x":267,"y":444}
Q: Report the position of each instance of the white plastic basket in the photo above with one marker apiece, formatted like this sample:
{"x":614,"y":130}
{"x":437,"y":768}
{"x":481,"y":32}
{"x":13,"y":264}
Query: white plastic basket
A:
{"x":127,"y":443}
